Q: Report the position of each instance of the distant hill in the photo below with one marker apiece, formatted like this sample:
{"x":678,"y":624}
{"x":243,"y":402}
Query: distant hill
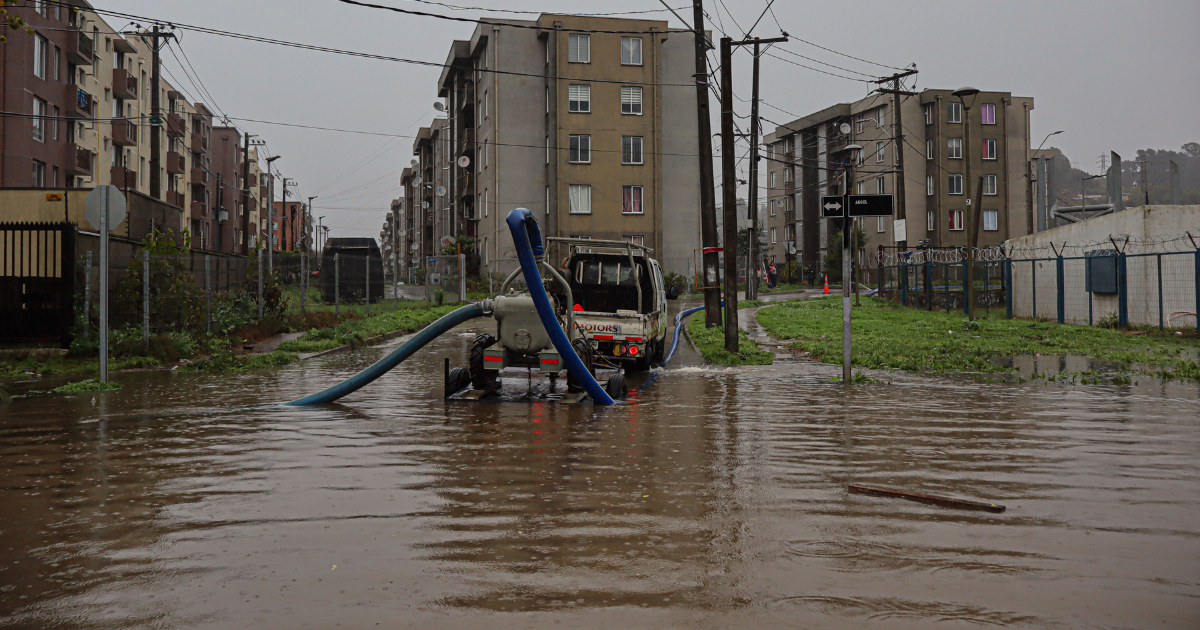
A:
{"x":1068,"y":179}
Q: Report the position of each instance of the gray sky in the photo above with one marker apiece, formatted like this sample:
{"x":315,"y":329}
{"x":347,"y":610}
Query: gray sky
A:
{"x":1114,"y":75}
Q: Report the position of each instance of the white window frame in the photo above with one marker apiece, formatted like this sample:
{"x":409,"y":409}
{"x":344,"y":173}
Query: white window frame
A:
{"x":955,"y":218}
{"x":987,"y":107}
{"x":880,"y":151}
{"x":581,"y":153}
{"x":954,"y":112}
{"x":989,"y":151}
{"x":580,"y":198}
{"x":991,"y":220}
{"x":950,"y":184}
{"x":930,"y":221}
{"x":880,"y":186}
{"x":860,"y":188}
{"x":641,"y":195}
{"x":929,"y":149}
{"x":579,"y":48}
{"x":880,"y":225}
{"x":771,"y":207}
{"x":39,"y":119}
{"x":773,"y":239}
{"x":41,"y":46}
{"x":579,"y":99}
{"x":954,"y":148}
{"x":39,"y":174}
{"x":632,"y":46}
{"x":990,"y":185}
{"x":636,"y":239}
{"x":631,"y":100}
{"x":634,"y":155}
{"x":773,"y":179}
{"x":929,"y":114}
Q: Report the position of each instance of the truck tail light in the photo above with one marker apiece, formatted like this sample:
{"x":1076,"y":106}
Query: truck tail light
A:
{"x":633,"y":351}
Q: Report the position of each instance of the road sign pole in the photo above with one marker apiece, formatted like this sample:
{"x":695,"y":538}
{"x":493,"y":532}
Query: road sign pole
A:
{"x":847,"y":283}
{"x":104,"y":290}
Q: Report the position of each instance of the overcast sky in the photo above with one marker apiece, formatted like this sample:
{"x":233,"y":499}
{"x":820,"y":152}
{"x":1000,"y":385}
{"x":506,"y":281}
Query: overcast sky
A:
{"x":1113,"y":75}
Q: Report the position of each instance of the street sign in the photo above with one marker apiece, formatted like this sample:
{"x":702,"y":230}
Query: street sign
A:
{"x":94,"y":205}
{"x":869,"y":205}
{"x":832,"y":205}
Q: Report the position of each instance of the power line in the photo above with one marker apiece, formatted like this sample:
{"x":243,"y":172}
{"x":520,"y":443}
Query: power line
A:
{"x":451,"y":18}
{"x":832,"y":74}
{"x":455,"y":7}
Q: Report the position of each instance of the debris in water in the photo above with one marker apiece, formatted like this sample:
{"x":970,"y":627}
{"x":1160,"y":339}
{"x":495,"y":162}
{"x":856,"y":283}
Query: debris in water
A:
{"x":927,"y":498}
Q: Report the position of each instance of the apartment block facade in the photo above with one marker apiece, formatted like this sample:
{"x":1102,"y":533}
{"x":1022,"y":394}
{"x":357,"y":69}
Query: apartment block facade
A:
{"x":809,"y":157}
{"x":593,"y":131}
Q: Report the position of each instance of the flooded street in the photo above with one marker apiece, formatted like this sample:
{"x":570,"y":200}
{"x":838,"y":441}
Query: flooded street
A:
{"x":717,"y":498}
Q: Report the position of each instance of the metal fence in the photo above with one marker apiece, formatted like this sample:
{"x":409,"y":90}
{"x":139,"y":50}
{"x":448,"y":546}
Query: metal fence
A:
{"x":1121,"y":282}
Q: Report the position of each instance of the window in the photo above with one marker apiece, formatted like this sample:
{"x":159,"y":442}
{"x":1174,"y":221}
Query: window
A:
{"x":990,"y":220}
{"x":40,"y":7}
{"x":879,"y":185}
{"x":40,"y":46}
{"x":954,"y":148}
{"x":860,"y":125}
{"x":485,"y":104}
{"x":955,"y":184}
{"x":579,"y":99}
{"x":772,"y":179}
{"x":580,"y":150}
{"x":929,"y":114}
{"x":954,"y":113}
{"x":581,"y":199}
{"x":57,"y":61}
{"x":631,"y":100}
{"x":54,"y":124}
{"x":773,"y":205}
{"x":988,"y":114}
{"x":773,"y":239}
{"x":880,"y":149}
{"x":547,"y":149}
{"x":39,"y":174}
{"x":880,"y":224}
{"x":54,"y":177}
{"x":39,"y":119}
{"x":929,"y":149}
{"x":989,"y":184}
{"x":636,"y":239}
{"x":631,"y":51}
{"x":787,"y":174}
{"x":579,"y":48}
{"x":631,"y":149}
{"x":631,"y":200}
{"x":989,"y":149}
{"x":956,"y":219}
{"x":930,"y":221}
{"x":860,"y":188}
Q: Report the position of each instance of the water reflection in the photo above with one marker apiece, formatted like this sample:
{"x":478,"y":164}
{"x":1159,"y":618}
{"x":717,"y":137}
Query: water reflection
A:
{"x":715,"y":498}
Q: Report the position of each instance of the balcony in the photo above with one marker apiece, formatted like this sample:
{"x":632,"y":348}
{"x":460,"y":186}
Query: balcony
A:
{"x":252,"y":181}
{"x":198,"y":144}
{"x":199,"y":175}
{"x":79,"y":49}
{"x":466,"y":141}
{"x":123,"y":178}
{"x":199,"y":209}
{"x":174,"y":163}
{"x":80,"y":104}
{"x":175,"y":126}
{"x":124,"y":84}
{"x":175,"y":198}
{"x":78,"y":160}
{"x":124,"y":133}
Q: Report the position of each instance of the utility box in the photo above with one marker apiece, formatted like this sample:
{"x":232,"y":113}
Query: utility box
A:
{"x":1101,"y":272}
{"x":353,"y":283}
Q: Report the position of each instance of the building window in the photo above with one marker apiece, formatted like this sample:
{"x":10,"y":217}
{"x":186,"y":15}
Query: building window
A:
{"x":631,"y":100}
{"x":990,"y":220}
{"x":631,"y":51}
{"x":955,"y":184}
{"x":929,"y":114}
{"x":40,"y":7}
{"x":930,"y":221}
{"x":579,"y":99}
{"x":580,"y":149}
{"x":631,"y":149}
{"x":486,"y":205}
{"x":860,"y":188}
{"x":989,"y":149}
{"x":581,"y":199}
{"x":880,"y":149}
{"x":880,"y":224}
{"x":39,"y":174}
{"x":54,"y":177}
{"x":954,"y":113}
{"x":547,"y":149}
{"x":879,"y":185}
{"x":988,"y":113}
{"x":579,"y":48}
{"x":773,"y":239}
{"x":787,"y":174}
{"x":860,"y":125}
{"x":989,"y":184}
{"x":57,"y":60}
{"x":772,"y":206}
{"x":772,"y":179}
{"x":956,"y":219}
{"x":39,"y":119}
{"x":929,"y":149}
{"x":954,"y":148}
{"x":40,"y":46}
{"x":636,"y":239}
{"x":54,"y":123}
{"x":631,"y":200}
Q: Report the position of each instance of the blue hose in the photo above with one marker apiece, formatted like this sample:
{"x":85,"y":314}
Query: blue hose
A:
{"x":528,"y":240}
{"x":380,"y":367}
{"x":678,"y":326}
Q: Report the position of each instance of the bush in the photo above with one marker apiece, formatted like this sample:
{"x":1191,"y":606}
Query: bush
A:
{"x":677,"y":281}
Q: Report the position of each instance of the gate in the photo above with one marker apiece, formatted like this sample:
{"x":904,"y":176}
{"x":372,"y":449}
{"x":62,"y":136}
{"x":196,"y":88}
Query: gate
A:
{"x":37,"y":283}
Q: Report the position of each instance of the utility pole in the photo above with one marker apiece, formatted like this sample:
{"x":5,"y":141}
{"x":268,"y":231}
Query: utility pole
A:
{"x":246,"y":192}
{"x":898,"y":142}
{"x":220,"y":209}
{"x":158,"y":38}
{"x":1144,"y":172}
{"x":752,"y":197}
{"x":708,"y":196}
{"x":729,"y":195}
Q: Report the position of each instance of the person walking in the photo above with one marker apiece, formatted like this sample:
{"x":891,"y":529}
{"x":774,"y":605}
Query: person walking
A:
{"x":772,"y":276}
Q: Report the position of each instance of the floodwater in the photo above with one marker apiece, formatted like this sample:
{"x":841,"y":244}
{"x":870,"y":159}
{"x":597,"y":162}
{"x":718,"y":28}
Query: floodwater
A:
{"x":715,"y":499}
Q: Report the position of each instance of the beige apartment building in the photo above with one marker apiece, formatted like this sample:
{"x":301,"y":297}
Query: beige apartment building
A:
{"x":809,"y":157}
{"x":595,"y":132}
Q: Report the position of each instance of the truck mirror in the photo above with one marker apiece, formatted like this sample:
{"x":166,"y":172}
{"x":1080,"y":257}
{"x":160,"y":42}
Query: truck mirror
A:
{"x":673,"y":293}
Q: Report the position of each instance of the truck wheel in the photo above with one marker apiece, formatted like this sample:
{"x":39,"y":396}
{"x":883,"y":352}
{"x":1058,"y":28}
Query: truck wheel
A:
{"x":481,"y":378}
{"x":617,"y":387}
{"x":460,"y":379}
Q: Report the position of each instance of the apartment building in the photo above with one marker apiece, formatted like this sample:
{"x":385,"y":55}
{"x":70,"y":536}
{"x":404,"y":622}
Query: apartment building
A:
{"x":593,"y":131}
{"x":809,"y":157}
{"x":290,"y":225}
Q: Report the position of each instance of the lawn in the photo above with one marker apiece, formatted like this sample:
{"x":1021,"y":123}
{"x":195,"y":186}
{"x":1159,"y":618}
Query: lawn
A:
{"x":889,"y":336}
{"x":711,"y":344}
{"x":417,"y":315}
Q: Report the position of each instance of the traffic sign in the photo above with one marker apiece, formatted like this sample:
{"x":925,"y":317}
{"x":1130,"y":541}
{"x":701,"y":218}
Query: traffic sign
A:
{"x":869,"y":205}
{"x":832,"y":206}
{"x":95,"y":204}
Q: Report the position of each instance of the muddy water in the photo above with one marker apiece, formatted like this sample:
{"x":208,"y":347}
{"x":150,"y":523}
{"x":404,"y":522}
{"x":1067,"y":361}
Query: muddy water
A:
{"x":717,"y":499}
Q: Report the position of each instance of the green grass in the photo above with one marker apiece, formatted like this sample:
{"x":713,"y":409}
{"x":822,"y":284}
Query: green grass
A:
{"x":890,"y":336}
{"x":16,"y":368}
{"x":90,"y":385}
{"x":711,"y":344}
{"x":355,"y":331}
{"x":228,"y":362}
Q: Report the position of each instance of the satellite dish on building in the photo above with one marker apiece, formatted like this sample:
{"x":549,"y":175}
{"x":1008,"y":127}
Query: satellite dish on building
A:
{"x":417,"y":180}
{"x":845,"y":128}
{"x":414,"y":162}
{"x":447,"y":241}
{"x":441,"y":191}
{"x":424,"y":204}
{"x":414,"y":247}
{"x":438,"y":106}
{"x":464,"y":162}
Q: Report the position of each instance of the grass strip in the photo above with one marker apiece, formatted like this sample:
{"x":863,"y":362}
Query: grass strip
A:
{"x":711,"y":344}
{"x":890,"y":336}
{"x":228,"y":362}
{"x":354,"y":331}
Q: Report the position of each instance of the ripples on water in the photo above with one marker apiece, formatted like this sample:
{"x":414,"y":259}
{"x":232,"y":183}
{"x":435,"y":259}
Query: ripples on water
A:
{"x":717,"y":498}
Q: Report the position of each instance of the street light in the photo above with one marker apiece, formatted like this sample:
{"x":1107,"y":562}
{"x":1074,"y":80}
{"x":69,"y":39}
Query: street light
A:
{"x":1052,"y":133}
{"x":966,"y":96}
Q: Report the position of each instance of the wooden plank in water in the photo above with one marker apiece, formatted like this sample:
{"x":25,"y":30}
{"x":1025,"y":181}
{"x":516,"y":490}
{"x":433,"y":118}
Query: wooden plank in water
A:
{"x":965,"y":504}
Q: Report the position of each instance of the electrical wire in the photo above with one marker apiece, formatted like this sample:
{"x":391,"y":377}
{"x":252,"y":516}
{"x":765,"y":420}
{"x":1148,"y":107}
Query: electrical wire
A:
{"x":451,"y":18}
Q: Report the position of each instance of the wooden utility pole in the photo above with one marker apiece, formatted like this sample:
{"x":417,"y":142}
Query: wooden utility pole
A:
{"x":898,"y":142}
{"x":729,"y":196}
{"x":158,"y":38}
{"x":708,"y":196}
{"x":246,"y":193}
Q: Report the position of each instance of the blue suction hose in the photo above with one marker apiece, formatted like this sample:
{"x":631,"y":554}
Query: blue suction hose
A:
{"x":395,"y":357}
{"x":528,"y":240}
{"x":678,"y":326}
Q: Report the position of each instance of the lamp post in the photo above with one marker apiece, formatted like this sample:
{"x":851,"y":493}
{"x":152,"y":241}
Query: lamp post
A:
{"x":966,"y":96}
{"x":1052,"y":133}
{"x":318,"y":237}
{"x":271,"y":203}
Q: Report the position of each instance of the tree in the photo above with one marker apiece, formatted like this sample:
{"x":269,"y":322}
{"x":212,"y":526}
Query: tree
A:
{"x":14,"y":22}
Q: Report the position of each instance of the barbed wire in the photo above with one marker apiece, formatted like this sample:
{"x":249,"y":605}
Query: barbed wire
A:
{"x":1122,"y":243}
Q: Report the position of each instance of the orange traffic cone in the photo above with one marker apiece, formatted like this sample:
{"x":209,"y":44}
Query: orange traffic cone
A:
{"x":826,"y":284}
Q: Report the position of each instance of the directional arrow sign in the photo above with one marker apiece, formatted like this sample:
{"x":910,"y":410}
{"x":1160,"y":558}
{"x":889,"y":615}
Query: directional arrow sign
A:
{"x":869,"y":205}
{"x":832,"y":206}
